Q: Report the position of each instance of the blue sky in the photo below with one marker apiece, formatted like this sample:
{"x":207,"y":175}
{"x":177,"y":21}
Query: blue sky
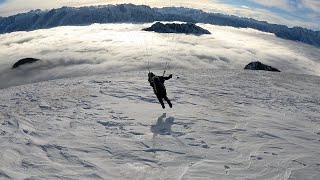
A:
{"x":305,"y":13}
{"x":303,"y":10}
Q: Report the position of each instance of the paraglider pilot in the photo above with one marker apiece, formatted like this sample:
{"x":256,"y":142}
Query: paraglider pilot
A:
{"x":157,"y":83}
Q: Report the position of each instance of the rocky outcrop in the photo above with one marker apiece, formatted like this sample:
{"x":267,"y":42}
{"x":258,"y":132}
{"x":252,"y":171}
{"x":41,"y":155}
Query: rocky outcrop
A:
{"x":260,"y":66}
{"x":24,"y":61}
{"x":187,"y":28}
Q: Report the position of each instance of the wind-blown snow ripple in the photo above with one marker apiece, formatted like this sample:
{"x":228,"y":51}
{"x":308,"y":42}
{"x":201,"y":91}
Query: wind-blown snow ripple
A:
{"x":224,"y":124}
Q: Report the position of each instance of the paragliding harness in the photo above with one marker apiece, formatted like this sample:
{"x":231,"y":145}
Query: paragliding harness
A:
{"x":157,"y":82}
{"x":158,"y":86}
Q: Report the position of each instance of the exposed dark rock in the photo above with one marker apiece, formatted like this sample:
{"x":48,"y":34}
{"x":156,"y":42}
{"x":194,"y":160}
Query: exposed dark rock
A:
{"x":260,"y":66}
{"x":24,"y":61}
{"x":187,"y":28}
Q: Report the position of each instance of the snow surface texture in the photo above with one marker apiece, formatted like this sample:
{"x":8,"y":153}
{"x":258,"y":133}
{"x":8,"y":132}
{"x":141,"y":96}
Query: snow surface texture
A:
{"x":225,"y":124}
{"x":96,"y":49}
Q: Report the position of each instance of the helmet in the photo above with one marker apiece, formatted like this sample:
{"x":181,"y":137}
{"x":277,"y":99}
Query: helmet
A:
{"x":150,"y":74}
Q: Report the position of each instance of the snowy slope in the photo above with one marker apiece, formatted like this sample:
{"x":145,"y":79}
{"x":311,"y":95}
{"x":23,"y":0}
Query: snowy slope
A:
{"x":225,"y":124}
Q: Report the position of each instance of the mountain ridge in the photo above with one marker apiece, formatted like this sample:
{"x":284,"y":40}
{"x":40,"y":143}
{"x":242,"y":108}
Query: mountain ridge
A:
{"x":38,"y":19}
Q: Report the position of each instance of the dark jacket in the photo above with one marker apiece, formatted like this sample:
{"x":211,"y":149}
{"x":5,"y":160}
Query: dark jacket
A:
{"x":157,"y":82}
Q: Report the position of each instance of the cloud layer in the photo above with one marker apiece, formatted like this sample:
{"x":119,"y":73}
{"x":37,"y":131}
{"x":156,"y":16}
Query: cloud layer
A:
{"x":87,"y":50}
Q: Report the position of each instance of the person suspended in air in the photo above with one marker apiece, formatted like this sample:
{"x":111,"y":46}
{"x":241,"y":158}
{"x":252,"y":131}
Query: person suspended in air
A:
{"x":157,"y":83}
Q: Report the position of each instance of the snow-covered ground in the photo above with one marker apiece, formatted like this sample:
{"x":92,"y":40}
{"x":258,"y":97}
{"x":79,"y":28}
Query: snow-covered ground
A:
{"x":225,"y":124}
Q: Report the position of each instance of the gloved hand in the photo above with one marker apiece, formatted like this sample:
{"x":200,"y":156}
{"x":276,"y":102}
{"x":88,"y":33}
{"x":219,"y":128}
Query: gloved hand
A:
{"x":170,"y":76}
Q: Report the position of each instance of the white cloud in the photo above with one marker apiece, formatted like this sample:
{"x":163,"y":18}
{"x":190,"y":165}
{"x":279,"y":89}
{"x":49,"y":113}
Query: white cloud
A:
{"x":313,"y":4}
{"x":77,"y":51}
{"x":283,"y":4}
{"x":289,"y":5}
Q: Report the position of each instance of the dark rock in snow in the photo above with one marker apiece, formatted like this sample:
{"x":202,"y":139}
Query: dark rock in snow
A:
{"x":187,"y":28}
{"x":24,"y":61}
{"x":260,"y":66}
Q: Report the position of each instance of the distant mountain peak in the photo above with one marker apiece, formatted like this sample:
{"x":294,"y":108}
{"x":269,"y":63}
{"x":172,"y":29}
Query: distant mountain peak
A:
{"x":186,"y":28}
{"x":131,"y":13}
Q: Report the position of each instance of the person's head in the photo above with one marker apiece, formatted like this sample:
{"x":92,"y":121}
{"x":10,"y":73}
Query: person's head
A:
{"x":150,"y":74}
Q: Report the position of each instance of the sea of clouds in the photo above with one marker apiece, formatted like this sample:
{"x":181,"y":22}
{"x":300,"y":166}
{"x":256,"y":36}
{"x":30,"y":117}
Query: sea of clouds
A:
{"x":73,"y":51}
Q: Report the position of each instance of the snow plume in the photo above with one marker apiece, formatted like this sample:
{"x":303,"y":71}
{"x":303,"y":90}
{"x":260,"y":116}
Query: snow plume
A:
{"x":97,"y":49}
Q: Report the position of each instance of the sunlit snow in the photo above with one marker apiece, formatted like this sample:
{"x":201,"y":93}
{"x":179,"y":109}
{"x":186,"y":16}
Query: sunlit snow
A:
{"x":98,"y":117}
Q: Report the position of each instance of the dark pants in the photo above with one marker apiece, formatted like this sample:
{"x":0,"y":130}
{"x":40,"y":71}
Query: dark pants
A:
{"x":165,"y":98}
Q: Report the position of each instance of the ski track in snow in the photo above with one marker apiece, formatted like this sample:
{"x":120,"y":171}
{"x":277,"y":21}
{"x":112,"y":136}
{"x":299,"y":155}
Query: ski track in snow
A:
{"x":223,"y":125}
